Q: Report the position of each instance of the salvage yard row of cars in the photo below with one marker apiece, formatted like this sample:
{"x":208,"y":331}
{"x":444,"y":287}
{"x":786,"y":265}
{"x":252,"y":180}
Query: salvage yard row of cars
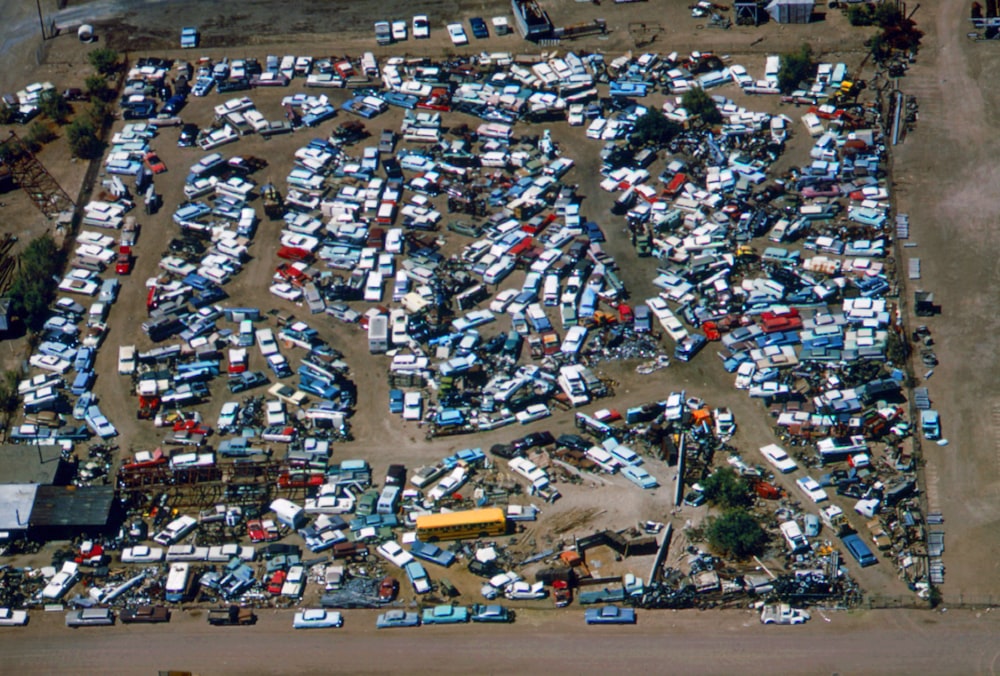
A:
{"x":468,"y":354}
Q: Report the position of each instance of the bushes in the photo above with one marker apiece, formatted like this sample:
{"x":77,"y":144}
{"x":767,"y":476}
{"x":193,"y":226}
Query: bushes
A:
{"x":736,"y":533}
{"x":83,"y":139}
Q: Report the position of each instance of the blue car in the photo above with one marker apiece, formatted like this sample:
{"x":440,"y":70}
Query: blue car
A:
{"x":479,"y":29}
{"x":610,"y":615}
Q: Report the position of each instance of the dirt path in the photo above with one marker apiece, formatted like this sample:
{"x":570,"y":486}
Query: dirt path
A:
{"x":946,"y":180}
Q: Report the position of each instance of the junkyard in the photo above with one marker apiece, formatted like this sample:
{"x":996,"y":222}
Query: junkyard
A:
{"x":531,"y":318}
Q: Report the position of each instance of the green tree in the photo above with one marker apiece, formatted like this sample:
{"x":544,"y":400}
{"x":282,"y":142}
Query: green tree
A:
{"x":83,"y":139}
{"x":104,"y":60}
{"x":697,"y":102}
{"x":33,"y":288}
{"x":97,"y":87}
{"x":54,"y":106}
{"x":727,"y":488}
{"x":796,"y":67}
{"x":653,"y":128}
{"x":736,"y":533}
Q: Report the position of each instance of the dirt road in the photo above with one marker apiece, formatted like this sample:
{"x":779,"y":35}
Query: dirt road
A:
{"x":946,"y":177}
{"x":899,"y":642}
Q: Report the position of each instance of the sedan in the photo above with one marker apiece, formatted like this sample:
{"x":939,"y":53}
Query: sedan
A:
{"x":397,"y":618}
{"x":532,"y":413}
{"x":84,"y":287}
{"x":392,"y":552}
{"x":228,"y":416}
{"x":398,"y":31}
{"x":395,"y":401}
{"x":812,"y":489}
{"x":317,"y":618}
{"x":47,"y":362}
{"x":144,"y":614}
{"x":155,"y":164}
{"x":490,"y":613}
{"x":479,"y":29}
{"x":457,"y":34}
{"x":610,"y":615}
{"x":13,"y":618}
{"x":412,"y":406}
{"x":286,"y":291}
{"x":775,"y":455}
{"x":421,"y":27}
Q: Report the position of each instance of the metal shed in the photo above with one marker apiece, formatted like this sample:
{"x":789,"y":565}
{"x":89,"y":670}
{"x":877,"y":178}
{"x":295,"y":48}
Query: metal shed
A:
{"x":790,"y":11}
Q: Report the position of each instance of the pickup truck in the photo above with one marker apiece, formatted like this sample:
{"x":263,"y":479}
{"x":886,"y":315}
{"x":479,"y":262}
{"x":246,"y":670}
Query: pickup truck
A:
{"x":782,"y":613}
{"x":231,"y":616}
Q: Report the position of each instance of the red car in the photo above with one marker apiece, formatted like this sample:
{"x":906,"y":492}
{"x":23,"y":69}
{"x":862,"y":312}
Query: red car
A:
{"x":154,"y":163}
{"x":123,"y":264}
{"x":388,"y":589}
{"x":711,"y":330}
{"x":277,"y":581}
{"x":259,"y":532}
{"x":301,"y":479}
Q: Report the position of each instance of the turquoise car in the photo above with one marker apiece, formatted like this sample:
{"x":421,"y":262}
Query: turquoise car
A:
{"x":445,"y":614}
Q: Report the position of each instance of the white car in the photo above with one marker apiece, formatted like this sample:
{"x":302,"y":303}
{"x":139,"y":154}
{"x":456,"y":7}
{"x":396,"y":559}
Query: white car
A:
{"x":398,"y":30}
{"x":48,"y":362}
{"x":744,"y":375}
{"x":286,"y":291}
{"x":394,"y":241}
{"x":502,"y":300}
{"x":412,"y":406}
{"x":142,"y":554}
{"x":421,"y":27}
{"x":176,"y":530}
{"x":275,"y":413}
{"x":532,"y":413}
{"x":523,"y":591}
{"x":740,"y":76}
{"x":317,"y":618}
{"x":457,"y":34}
{"x":812,"y":489}
{"x":725,"y":423}
{"x":227,"y":416}
{"x":84,"y":287}
{"x":777,"y":457}
{"x":13,"y":618}
{"x":392,"y":552}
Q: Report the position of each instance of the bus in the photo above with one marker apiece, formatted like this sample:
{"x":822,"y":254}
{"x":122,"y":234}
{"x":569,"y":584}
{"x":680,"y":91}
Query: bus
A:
{"x":473,"y":523}
{"x":177,"y":582}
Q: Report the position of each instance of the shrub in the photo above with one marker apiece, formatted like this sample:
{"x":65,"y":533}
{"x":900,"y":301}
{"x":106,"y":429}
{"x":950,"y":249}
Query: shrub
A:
{"x":736,"y":533}
{"x":728,"y":489}
{"x":697,"y":102}
{"x":104,"y":60}
{"x":653,"y":128}
{"x":796,"y":67}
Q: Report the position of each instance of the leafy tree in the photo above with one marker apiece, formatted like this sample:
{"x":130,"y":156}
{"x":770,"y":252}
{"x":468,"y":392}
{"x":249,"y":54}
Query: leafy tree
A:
{"x":97,"y":87}
{"x":697,"y":102}
{"x":6,"y":114}
{"x":653,"y":128}
{"x":736,"y":533}
{"x":727,"y":488}
{"x":54,"y":106}
{"x":104,"y":60}
{"x":795,"y":67}
{"x":83,"y":139}
{"x":34,"y":286}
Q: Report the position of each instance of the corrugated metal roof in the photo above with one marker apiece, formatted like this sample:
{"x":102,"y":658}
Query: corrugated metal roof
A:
{"x":72,"y":506}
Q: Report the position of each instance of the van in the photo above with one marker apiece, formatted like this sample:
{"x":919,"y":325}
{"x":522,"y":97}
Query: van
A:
{"x":859,"y":550}
{"x":388,"y":500}
{"x":550,"y":294}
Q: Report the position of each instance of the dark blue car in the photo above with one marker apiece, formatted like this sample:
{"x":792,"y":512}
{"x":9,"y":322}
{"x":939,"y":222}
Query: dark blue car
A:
{"x":479,"y":29}
{"x":395,"y":401}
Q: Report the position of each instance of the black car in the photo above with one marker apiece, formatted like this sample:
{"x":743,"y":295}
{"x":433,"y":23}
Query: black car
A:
{"x":506,"y":451}
{"x":573,"y":441}
{"x":189,"y":132}
{"x":236,"y":85}
{"x":479,"y":28}
{"x":396,"y":475}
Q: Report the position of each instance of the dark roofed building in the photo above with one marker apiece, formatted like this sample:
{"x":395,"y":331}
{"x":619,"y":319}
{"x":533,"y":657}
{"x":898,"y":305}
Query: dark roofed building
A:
{"x":67,"y":511}
{"x":24,"y":464}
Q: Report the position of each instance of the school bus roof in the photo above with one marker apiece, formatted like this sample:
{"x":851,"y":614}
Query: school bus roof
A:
{"x":466,"y":516}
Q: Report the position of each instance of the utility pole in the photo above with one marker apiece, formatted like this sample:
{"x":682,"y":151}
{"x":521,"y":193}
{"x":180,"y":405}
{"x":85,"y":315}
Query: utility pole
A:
{"x":41,"y":22}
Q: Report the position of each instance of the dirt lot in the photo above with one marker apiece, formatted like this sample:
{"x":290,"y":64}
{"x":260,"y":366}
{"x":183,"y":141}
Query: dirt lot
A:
{"x":943,"y":176}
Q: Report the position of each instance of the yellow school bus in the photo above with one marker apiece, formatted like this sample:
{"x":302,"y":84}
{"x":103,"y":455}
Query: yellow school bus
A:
{"x":472,"y":523}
